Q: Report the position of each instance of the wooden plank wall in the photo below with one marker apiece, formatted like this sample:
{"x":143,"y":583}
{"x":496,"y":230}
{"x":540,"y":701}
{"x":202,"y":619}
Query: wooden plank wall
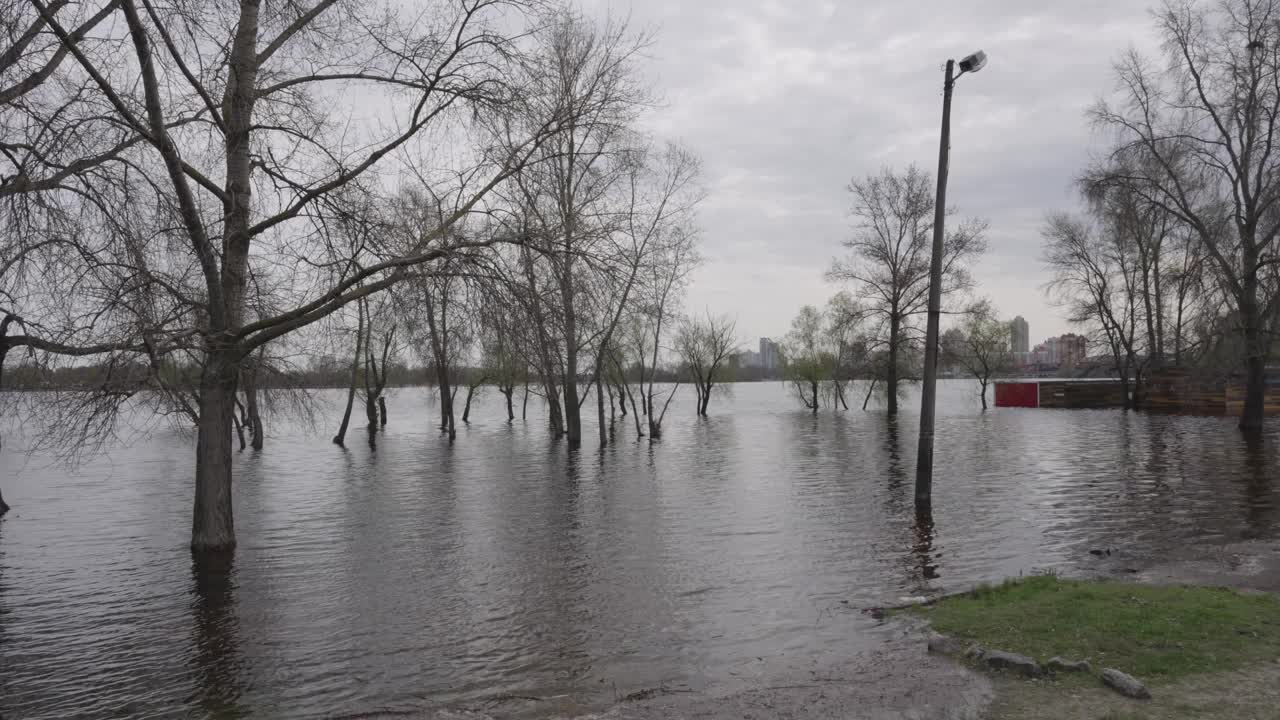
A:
{"x":1093,"y":394}
{"x":1181,"y":391}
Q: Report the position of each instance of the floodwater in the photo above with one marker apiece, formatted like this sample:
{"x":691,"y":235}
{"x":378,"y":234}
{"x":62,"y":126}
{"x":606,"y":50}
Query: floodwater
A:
{"x":423,"y":575}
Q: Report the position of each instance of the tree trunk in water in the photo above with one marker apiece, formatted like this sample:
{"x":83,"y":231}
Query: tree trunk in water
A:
{"x":524,"y":407}
{"x":813,"y":388}
{"x":382,"y":409}
{"x":603,"y":429}
{"x":466,"y":411}
{"x":554,"y":415}
{"x":341,"y":437}
{"x":452,"y":429}
{"x":983,"y":393}
{"x":892,"y":378}
{"x":446,"y":401}
{"x":371,"y":410}
{"x":4,"y":507}
{"x":239,"y":431}
{"x":1255,"y":343}
{"x":1124,"y":387}
{"x":255,"y":416}
{"x":511,"y":412}
{"x":572,"y":410}
{"x":635,"y":415}
{"x":870,"y":389}
{"x":706,"y":399}
{"x":212,"y":526}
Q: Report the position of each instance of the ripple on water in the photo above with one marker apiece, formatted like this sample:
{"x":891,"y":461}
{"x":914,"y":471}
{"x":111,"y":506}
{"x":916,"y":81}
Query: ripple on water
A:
{"x":422,"y":573}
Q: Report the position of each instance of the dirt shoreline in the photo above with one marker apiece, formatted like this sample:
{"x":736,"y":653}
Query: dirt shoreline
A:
{"x":900,"y":680}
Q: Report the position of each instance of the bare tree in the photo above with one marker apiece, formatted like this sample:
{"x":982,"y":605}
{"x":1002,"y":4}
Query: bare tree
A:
{"x":808,"y":362}
{"x":1096,"y":280}
{"x":590,"y":67}
{"x":705,"y":345}
{"x":982,"y":346}
{"x":376,"y":360}
{"x":887,"y":266}
{"x":356,"y":358}
{"x":1196,"y":137}
{"x":236,"y":131}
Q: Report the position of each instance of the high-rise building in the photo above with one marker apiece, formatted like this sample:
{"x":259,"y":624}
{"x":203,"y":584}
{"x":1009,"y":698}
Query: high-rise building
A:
{"x":1072,"y":349}
{"x":1020,"y":334}
{"x":768,"y":354}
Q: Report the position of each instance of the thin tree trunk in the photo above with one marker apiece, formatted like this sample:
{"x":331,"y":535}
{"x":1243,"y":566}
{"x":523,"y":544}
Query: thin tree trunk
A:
{"x":892,"y":380}
{"x":511,"y":413}
{"x":524,"y":406}
{"x":983,"y":392}
{"x":251,"y":407}
{"x":452,"y":429}
{"x":870,"y":389}
{"x":382,"y":409}
{"x":604,"y":438}
{"x":466,"y":411}
{"x":813,"y":388}
{"x":554,"y":415}
{"x":341,"y":437}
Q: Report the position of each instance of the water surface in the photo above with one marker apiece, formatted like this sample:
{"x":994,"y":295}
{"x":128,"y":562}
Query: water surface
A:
{"x":421,"y":574}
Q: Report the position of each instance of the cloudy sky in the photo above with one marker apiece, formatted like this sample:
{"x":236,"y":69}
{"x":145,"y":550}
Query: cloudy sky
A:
{"x":785,"y":101}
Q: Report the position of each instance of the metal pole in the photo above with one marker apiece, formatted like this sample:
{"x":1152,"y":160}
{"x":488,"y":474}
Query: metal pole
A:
{"x":924,"y":460}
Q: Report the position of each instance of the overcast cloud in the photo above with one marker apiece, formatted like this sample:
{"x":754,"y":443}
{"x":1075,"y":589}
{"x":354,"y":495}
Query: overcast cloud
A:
{"x":787,"y":101}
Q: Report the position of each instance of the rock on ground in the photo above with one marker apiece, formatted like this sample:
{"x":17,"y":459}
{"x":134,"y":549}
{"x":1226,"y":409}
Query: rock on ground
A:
{"x":1125,"y":684}
{"x":947,"y":645}
{"x":1022,"y":664}
{"x":1057,"y":664}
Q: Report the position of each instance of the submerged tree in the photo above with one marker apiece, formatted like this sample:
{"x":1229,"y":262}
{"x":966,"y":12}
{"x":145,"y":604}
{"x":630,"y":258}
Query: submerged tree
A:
{"x":887,"y":266}
{"x":233,"y":147}
{"x":1196,"y":137}
{"x":808,"y":364}
{"x":705,"y":346}
{"x":1095,"y":279}
{"x":982,"y":345}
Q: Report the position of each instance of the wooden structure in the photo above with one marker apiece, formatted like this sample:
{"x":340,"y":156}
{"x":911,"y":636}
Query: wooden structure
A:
{"x":1184,"y":390}
{"x":1060,"y":394}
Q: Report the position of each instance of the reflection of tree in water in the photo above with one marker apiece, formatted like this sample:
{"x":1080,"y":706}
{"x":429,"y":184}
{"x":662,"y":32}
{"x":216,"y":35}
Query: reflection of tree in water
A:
{"x":217,"y":660}
{"x":1259,"y":479}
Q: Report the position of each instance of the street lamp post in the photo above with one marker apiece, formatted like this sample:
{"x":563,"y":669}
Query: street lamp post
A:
{"x":928,"y":395}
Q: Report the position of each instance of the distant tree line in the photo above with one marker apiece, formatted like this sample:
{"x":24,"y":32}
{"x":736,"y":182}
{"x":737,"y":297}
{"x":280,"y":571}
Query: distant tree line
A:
{"x":1174,"y":259}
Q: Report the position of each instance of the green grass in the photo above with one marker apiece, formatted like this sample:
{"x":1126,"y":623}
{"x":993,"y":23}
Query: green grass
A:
{"x":1155,"y":633}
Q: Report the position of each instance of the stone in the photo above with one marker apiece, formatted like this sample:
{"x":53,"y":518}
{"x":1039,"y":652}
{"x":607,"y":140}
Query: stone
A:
{"x":1125,"y":684}
{"x":945,"y":645}
{"x":1020,"y":664}
{"x":1057,"y":664}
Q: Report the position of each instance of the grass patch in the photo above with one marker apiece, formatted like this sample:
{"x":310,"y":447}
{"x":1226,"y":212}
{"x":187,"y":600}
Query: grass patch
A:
{"x":1158,"y":634}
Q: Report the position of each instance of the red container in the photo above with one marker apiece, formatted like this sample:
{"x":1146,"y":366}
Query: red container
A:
{"x":1018,"y":394}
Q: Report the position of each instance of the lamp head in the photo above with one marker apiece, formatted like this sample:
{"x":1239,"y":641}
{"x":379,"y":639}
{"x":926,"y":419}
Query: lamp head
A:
{"x":974,"y":62}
